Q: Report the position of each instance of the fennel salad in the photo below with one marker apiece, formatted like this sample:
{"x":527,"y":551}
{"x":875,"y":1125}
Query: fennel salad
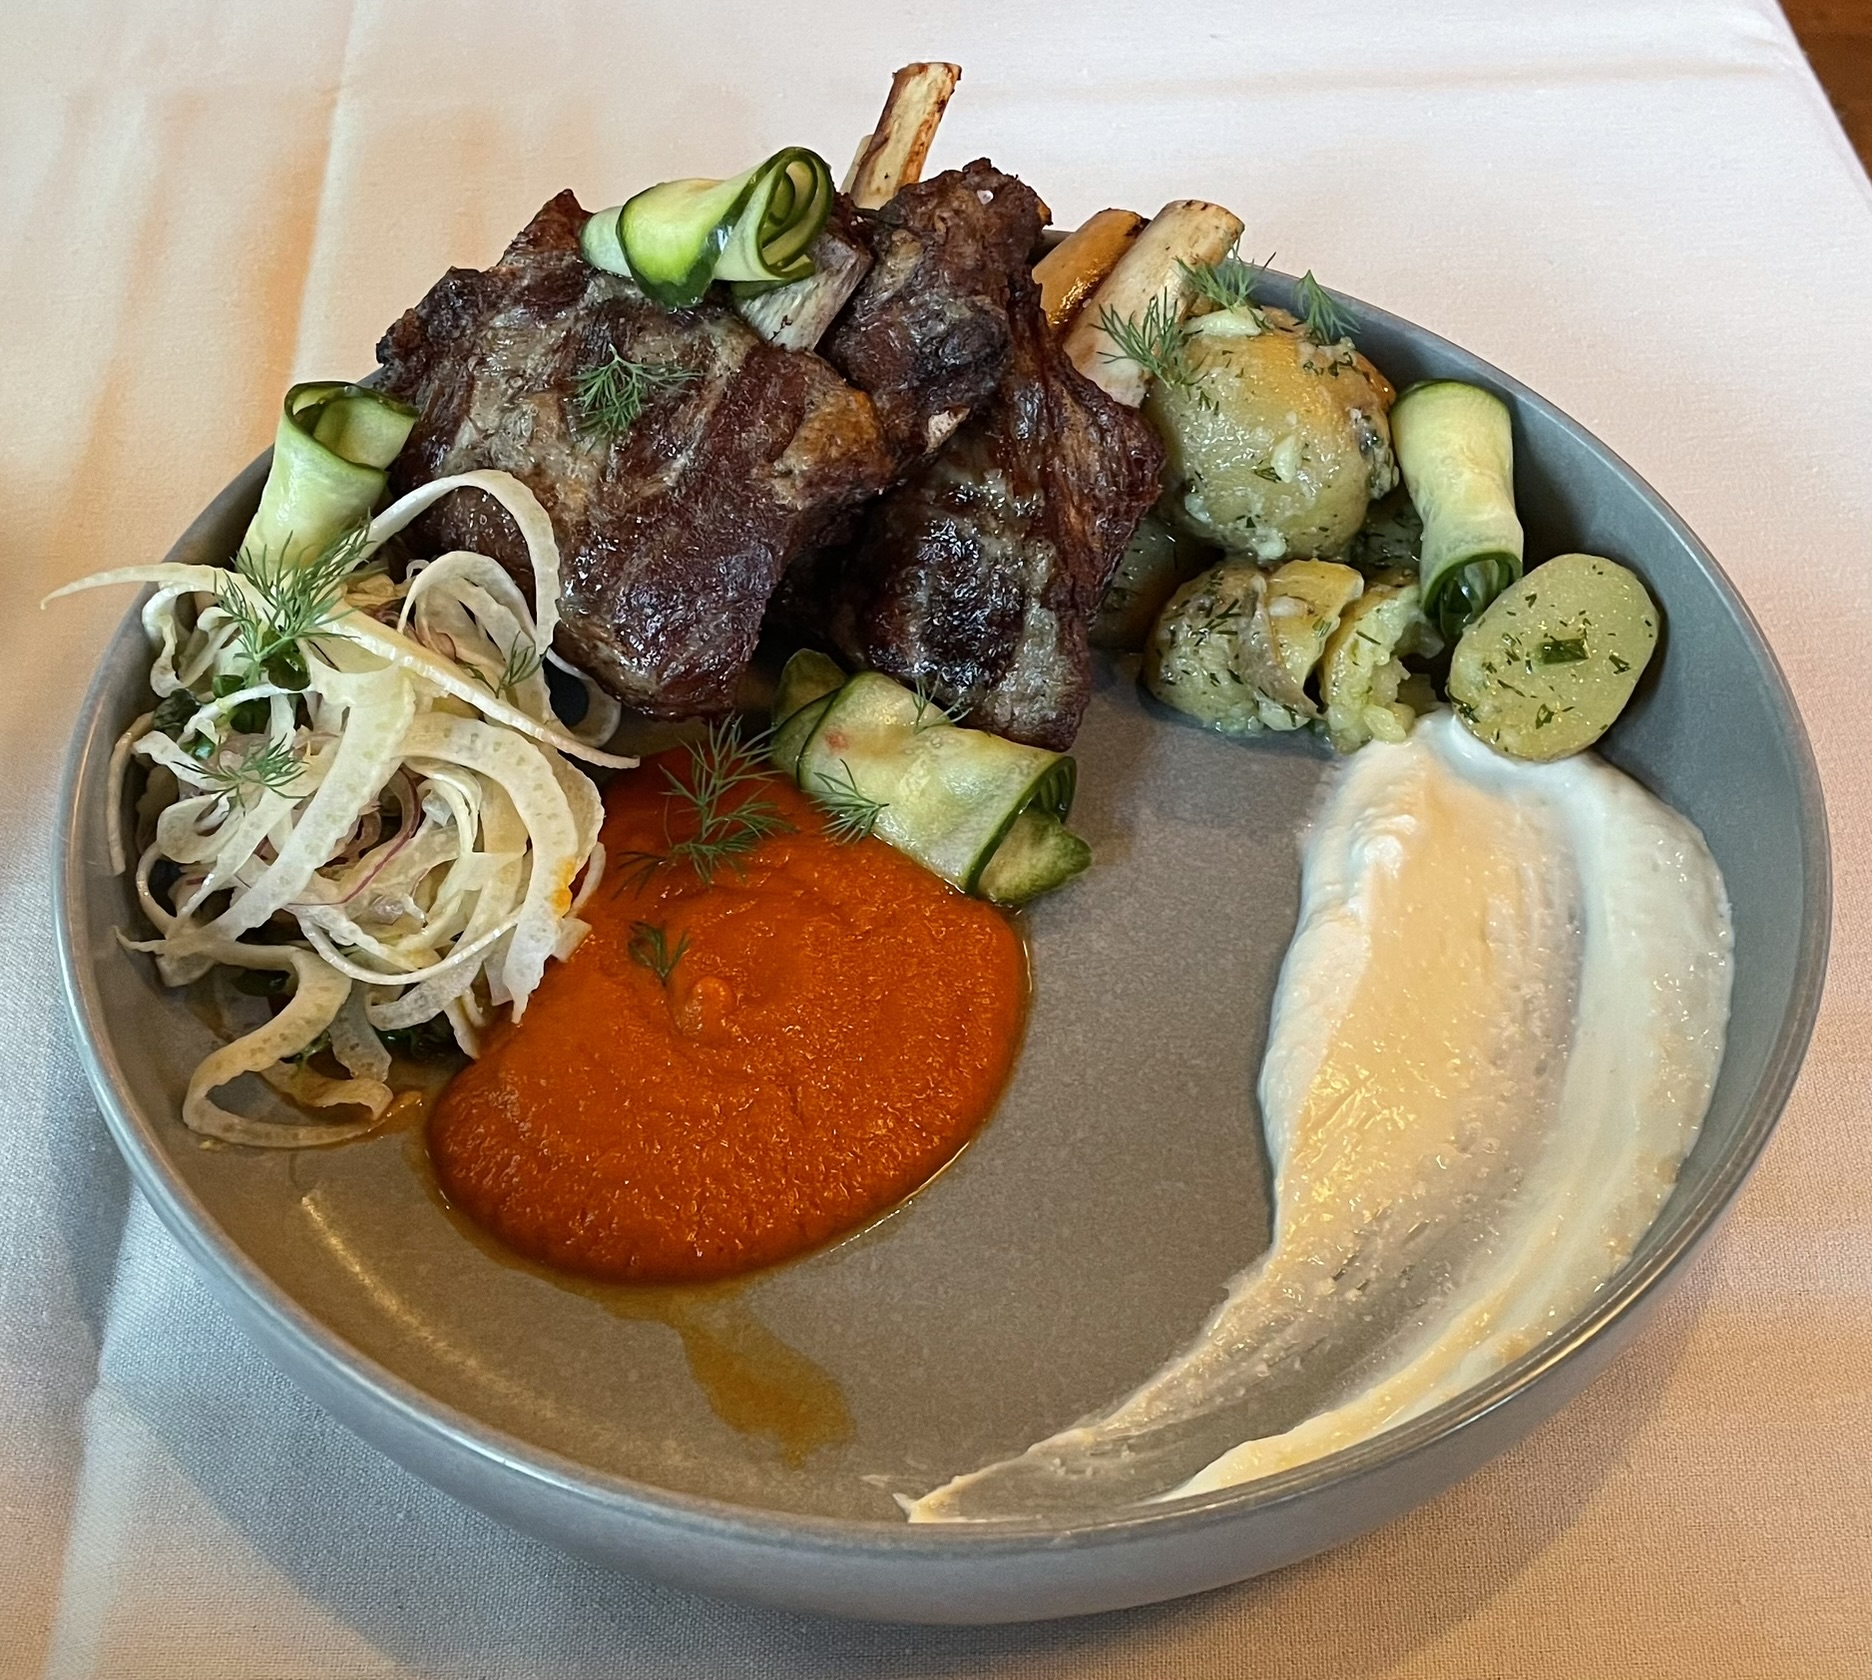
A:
{"x":355,"y":784}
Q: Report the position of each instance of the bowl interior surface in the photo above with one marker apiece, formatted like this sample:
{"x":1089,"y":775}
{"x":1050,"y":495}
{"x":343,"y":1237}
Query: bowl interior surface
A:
{"x":1089,"y":1230}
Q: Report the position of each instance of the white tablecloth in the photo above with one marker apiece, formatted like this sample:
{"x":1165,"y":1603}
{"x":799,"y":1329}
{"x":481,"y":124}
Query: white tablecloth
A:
{"x":1644,"y":210}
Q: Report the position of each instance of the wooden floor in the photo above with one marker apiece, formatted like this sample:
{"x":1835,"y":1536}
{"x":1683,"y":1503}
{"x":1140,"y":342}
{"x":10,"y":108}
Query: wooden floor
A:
{"x":1837,"y":35}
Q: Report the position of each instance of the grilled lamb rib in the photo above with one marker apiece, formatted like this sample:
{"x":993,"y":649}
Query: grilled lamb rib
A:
{"x":928,"y":333}
{"x":672,"y":536}
{"x":979,"y":574}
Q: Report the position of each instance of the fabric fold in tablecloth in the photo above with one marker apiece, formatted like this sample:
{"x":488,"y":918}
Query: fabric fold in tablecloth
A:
{"x":1645,"y":211}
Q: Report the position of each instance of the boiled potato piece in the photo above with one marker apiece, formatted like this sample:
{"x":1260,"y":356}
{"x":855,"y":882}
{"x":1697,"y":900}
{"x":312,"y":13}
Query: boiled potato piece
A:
{"x":1546,"y":670}
{"x":1276,"y":445}
{"x":1212,"y":654}
{"x":1305,"y":601}
{"x":1155,"y":563}
{"x":1363,"y":670}
{"x":1235,"y":646}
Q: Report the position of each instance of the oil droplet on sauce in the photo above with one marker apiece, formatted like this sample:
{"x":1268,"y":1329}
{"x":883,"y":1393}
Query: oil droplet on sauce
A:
{"x":753,"y":1380}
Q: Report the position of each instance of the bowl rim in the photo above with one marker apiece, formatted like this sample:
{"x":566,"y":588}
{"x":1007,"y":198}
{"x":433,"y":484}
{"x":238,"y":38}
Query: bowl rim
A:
{"x":349,"y":1369}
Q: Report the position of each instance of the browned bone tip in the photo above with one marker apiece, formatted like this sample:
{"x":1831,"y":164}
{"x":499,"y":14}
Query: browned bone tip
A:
{"x":1184,"y":234}
{"x":892,"y":156}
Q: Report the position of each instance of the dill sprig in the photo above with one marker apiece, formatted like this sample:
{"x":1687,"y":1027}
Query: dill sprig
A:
{"x":289,"y":602}
{"x":273,"y":765}
{"x":522,"y":661}
{"x":635,"y":869}
{"x":1156,"y":340}
{"x":1323,"y":320}
{"x":851,"y":814}
{"x":650,"y":948}
{"x":722,"y":766}
{"x":1228,"y":284}
{"x":928,"y":714}
{"x":607,"y":399}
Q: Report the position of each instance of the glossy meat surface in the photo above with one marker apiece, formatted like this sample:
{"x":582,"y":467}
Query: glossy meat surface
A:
{"x":978,"y":575}
{"x":672,"y":535}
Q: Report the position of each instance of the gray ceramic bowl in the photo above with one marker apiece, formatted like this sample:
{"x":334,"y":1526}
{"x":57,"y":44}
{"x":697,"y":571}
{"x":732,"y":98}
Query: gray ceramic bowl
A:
{"x":1075,"y":1245}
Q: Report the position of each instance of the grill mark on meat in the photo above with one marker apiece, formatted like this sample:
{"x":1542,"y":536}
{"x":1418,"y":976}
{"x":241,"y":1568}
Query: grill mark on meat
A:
{"x":980,"y":573}
{"x":673,"y":536}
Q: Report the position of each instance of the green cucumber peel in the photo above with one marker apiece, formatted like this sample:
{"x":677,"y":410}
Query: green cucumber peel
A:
{"x":771,"y":240}
{"x":806,"y":677}
{"x":330,"y":451}
{"x":1462,"y":593}
{"x":791,"y":735}
{"x":1455,"y":448}
{"x":1050,"y":797}
{"x":1038,"y":854}
{"x":753,"y":231}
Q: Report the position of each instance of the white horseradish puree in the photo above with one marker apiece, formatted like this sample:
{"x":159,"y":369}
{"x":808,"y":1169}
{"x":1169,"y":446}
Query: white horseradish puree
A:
{"x":1493,"y":1041}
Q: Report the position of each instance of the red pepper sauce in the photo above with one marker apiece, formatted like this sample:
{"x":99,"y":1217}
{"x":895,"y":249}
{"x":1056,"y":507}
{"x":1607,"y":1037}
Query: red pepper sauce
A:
{"x":836,"y":1025}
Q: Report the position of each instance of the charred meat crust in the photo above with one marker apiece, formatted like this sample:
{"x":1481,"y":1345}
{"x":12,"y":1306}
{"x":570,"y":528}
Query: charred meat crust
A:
{"x":979,"y":574}
{"x":672,"y":536}
{"x":928,"y":334}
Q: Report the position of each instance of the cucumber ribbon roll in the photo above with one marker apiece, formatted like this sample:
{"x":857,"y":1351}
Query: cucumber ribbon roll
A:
{"x":753,"y":231}
{"x":330,"y":452}
{"x":1455,"y":448}
{"x":987,"y":815}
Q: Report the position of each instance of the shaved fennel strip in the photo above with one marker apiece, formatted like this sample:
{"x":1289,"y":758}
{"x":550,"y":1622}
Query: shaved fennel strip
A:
{"x":465,"y":1022}
{"x":115,"y":787}
{"x":503,"y":835}
{"x":159,"y":918}
{"x":367,"y":755}
{"x":468,"y":950}
{"x":317,"y":1090}
{"x":485,"y":638}
{"x":240,"y":840}
{"x":422,"y":662}
{"x":528,"y":778}
{"x":179,"y":830}
{"x":211,"y":720}
{"x":317,"y":997}
{"x":593,"y":877}
{"x":603,"y":710}
{"x":522,"y":507}
{"x":354,"y":1040}
{"x":199,"y":580}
